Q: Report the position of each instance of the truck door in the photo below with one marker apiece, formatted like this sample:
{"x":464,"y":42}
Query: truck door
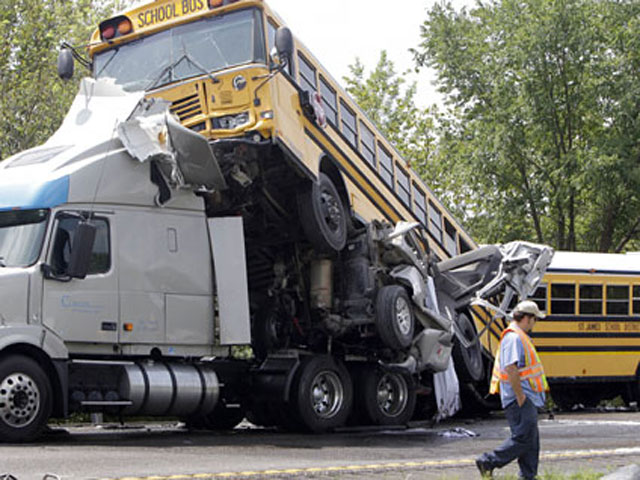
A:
{"x":81,"y":310}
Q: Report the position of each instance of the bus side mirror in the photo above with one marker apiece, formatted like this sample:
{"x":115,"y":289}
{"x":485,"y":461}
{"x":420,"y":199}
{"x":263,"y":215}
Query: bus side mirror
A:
{"x":284,"y":44}
{"x":65,"y":64}
{"x":83,"y":241}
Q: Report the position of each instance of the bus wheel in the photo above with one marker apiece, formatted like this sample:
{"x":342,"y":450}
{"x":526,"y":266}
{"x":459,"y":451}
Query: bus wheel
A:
{"x":468,"y":361}
{"x":323,"y":215}
{"x":394,"y":317}
{"x":564,"y":400}
{"x":323,"y":394}
{"x":25,"y":399}
{"x":388,"y":398}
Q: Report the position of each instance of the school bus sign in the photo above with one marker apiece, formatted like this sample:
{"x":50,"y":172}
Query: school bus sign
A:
{"x":168,"y":11}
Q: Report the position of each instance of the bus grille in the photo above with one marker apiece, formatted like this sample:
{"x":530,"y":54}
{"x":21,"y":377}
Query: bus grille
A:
{"x":187,"y":107}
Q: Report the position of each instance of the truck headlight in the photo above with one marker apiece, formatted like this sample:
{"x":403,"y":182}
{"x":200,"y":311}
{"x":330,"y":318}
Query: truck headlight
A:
{"x":229,"y":122}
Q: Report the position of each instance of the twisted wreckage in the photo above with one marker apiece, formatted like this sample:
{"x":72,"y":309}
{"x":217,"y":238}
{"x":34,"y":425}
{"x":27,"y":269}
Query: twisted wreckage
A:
{"x":135,"y":253}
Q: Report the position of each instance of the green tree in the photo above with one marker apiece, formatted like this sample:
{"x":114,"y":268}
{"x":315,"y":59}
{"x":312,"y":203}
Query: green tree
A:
{"x":34,"y":100}
{"x":541,"y":139}
{"x":389,"y":103}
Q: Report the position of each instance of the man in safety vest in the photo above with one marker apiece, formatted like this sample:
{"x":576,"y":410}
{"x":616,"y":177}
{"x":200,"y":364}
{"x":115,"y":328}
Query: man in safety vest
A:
{"x":519,"y":377}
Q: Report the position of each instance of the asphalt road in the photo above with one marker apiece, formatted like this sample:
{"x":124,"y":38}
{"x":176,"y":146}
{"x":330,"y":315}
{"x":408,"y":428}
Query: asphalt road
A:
{"x":570,"y":442}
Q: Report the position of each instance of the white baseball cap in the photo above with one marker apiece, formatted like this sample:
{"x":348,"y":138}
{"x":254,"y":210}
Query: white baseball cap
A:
{"x":530,"y":308}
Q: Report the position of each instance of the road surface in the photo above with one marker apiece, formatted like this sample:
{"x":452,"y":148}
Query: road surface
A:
{"x":570,"y":442}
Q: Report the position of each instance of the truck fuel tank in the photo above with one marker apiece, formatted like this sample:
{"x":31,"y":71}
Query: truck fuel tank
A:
{"x":173,"y":389}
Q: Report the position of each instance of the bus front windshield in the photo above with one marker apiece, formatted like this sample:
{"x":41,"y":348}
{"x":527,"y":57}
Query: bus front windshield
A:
{"x":188,"y":50}
{"x":21,"y":236}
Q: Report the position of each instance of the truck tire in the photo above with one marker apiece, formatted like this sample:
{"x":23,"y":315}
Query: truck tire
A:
{"x":323,"y":394}
{"x":468,"y":361}
{"x":323,"y":215}
{"x":388,"y":398}
{"x":25,"y":399}
{"x":394,"y":317}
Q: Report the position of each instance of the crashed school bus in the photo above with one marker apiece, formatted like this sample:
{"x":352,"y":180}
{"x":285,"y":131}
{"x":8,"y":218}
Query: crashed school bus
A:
{"x":213,"y":187}
{"x":589,"y":342}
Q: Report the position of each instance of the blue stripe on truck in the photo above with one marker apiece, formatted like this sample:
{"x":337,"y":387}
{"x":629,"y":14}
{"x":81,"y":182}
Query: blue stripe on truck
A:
{"x":28,"y":196}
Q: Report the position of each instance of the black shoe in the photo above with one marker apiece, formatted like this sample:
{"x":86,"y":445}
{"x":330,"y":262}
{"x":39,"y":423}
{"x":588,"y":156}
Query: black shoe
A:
{"x":485,"y":470}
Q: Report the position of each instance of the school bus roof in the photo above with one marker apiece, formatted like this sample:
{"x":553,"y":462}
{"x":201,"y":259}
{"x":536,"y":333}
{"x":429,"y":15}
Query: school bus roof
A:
{"x":591,"y":262}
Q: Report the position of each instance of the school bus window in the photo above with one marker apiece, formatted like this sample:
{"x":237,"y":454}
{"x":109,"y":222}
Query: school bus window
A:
{"x":386,"y":166}
{"x":617,"y":300}
{"x":450,"y":243}
{"x":590,"y":300}
{"x":214,"y":43}
{"x":367,"y":144}
{"x":563,"y":298}
{"x":464,"y":246}
{"x":348,"y":126}
{"x":329,"y":101}
{"x":307,"y":75}
{"x":403,"y":185}
{"x":419,"y":204}
{"x":435,"y":221}
{"x":540,"y":297}
{"x":636,"y":299}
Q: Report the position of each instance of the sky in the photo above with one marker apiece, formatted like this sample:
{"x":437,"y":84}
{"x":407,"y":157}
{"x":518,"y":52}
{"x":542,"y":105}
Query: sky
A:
{"x":338,"y":31}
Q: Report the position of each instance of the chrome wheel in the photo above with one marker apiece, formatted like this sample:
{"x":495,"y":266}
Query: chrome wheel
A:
{"x":19,"y":400}
{"x":392,"y":394}
{"x":327,"y":394}
{"x":403,"y":316}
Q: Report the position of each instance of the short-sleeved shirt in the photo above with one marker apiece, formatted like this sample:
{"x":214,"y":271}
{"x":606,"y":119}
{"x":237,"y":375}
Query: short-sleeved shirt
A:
{"x":512,"y":351}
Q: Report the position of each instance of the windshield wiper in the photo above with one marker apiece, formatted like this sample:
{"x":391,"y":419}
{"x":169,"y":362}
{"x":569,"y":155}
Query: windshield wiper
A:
{"x":106,"y":64}
{"x":169,"y":68}
{"x":2,"y":262}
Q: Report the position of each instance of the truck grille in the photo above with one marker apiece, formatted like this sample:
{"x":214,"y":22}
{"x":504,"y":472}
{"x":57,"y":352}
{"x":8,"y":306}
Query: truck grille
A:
{"x":187,"y":107}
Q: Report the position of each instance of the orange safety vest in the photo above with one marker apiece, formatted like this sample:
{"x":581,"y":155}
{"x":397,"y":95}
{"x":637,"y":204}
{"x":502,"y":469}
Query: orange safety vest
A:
{"x":531,"y":371}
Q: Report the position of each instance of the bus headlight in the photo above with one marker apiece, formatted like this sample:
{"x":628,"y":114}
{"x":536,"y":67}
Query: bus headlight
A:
{"x":229,"y":122}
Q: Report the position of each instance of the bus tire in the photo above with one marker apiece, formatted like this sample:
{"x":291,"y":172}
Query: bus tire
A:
{"x":323,"y":394}
{"x":323,"y":215}
{"x":387,"y":397}
{"x":468,"y":361}
{"x":394,"y":317}
{"x":25,"y":399}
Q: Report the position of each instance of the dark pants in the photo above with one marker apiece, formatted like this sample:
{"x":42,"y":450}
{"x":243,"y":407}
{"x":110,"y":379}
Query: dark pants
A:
{"x":524,"y":443}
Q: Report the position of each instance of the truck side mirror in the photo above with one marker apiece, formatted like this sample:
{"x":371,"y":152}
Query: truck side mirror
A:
{"x":65,"y":64}
{"x":83,"y":241}
{"x":284,"y":44}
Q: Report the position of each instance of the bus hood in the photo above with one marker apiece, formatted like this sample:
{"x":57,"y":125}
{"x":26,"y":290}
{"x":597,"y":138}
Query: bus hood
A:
{"x":14,"y":291}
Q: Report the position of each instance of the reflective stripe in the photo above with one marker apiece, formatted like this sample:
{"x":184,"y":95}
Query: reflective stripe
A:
{"x":532,"y":371}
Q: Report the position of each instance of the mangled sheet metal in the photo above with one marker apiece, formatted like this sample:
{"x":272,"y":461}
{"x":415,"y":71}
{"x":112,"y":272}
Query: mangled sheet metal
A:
{"x":475,"y":278}
{"x":98,"y":108}
{"x":152,"y":134}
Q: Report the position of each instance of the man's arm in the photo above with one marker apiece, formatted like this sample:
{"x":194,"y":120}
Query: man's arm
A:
{"x":514,"y":381}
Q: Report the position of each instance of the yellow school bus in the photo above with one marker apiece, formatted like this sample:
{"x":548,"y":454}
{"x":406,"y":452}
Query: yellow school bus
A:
{"x":589,"y":343}
{"x":215,"y":62}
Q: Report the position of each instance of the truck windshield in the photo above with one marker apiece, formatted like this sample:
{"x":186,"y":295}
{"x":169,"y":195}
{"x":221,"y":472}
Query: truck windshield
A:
{"x":21,"y":235}
{"x":185,"y":51}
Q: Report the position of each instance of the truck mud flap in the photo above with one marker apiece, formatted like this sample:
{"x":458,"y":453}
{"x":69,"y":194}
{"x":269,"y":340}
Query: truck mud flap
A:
{"x":273,"y":378}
